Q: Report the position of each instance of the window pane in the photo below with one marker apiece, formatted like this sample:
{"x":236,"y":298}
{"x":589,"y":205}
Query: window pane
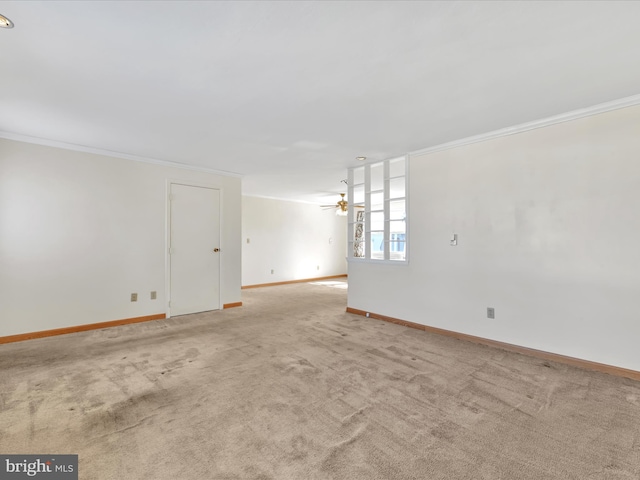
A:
{"x":358,"y":175}
{"x":358,"y":195}
{"x":358,"y":235}
{"x":397,"y":246}
{"x":396,"y":168}
{"x":396,"y":188}
{"x":397,"y":227}
{"x":377,"y":177}
{"x":397,"y":251}
{"x":377,"y":221}
{"x":397,"y":210}
{"x":377,"y":245}
{"x":377,"y":201}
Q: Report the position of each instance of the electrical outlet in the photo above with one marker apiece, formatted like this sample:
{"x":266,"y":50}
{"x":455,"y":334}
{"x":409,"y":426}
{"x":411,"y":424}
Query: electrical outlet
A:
{"x":154,"y":295}
{"x":134,"y":297}
{"x":248,"y":240}
{"x":272,"y":271}
{"x":318,"y":267}
{"x":491,"y":312}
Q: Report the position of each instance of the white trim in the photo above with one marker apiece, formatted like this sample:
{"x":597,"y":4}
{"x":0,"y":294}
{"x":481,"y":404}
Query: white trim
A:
{"x":110,"y":153}
{"x":377,"y":261}
{"x":167,"y":246}
{"x":545,"y":122}
{"x":267,"y":197}
{"x":407,"y":208}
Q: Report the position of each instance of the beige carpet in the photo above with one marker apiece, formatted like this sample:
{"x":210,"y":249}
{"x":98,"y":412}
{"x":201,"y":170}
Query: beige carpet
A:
{"x":291,"y":387}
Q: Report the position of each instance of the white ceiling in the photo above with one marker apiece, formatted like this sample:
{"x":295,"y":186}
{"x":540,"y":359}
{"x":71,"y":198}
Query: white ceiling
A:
{"x":289,"y":93}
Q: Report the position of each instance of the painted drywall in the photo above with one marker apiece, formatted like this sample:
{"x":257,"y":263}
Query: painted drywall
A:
{"x":295,"y":240}
{"x":80,"y":232}
{"x":548,"y":234}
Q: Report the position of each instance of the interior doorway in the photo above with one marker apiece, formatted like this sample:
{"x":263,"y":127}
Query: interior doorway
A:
{"x":194,"y":249}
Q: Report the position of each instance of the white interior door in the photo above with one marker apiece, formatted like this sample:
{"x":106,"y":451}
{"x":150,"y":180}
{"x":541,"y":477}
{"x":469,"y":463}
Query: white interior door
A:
{"x":194,"y":283}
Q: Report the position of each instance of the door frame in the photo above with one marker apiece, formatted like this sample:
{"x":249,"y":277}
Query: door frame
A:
{"x":167,"y":239}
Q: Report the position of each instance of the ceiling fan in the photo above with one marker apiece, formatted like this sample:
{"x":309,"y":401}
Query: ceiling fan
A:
{"x":340,"y":206}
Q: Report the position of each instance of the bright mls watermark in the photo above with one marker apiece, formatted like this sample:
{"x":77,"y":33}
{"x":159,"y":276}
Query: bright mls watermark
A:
{"x":45,"y":467}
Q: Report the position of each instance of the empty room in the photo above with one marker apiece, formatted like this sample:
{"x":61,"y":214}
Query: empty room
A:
{"x":297,"y":240}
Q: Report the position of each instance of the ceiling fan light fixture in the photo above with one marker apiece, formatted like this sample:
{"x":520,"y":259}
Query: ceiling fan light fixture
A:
{"x":341,"y":206}
{"x":342,"y":209}
{"x":5,"y":22}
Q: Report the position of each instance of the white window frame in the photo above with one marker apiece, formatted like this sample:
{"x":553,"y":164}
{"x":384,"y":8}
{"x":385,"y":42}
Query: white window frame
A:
{"x":351,"y":216}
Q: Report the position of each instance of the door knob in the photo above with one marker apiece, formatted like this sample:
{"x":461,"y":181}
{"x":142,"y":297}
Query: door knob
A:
{"x":216,"y":250}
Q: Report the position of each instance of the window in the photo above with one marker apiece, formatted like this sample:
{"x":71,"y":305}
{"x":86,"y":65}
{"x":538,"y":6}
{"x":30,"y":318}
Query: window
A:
{"x":378,"y":211}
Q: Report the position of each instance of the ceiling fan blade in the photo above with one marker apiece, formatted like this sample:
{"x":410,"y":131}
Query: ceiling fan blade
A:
{"x":341,"y":204}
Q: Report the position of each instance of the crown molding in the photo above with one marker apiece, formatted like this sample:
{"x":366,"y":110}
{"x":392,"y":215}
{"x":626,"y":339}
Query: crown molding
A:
{"x":524,"y":127}
{"x":110,"y":153}
{"x":281,"y":199}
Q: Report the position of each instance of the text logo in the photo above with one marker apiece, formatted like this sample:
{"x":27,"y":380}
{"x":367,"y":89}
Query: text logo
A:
{"x":43,"y":467}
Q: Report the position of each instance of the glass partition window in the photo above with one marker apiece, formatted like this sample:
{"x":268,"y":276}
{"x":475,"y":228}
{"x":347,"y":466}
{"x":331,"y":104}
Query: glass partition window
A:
{"x":378,"y":211}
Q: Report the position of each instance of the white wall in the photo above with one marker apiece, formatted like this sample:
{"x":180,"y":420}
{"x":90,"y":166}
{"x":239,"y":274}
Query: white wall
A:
{"x":293,"y":239}
{"x":548,"y":225}
{"x":80,"y":232}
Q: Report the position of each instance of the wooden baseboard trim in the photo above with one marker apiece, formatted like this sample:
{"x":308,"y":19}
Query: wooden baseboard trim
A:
{"x":80,"y":328}
{"x":304,"y":280}
{"x":554,"y":357}
{"x":232,"y":305}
